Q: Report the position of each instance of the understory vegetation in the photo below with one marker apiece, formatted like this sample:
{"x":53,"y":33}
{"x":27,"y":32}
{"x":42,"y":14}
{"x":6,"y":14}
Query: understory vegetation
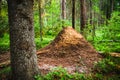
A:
{"x":106,"y":38}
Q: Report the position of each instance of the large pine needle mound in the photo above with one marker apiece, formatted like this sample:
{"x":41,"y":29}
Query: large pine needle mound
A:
{"x":69,"y":50}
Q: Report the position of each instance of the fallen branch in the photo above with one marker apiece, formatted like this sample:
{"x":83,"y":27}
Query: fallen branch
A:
{"x":4,"y":64}
{"x":115,"y":54}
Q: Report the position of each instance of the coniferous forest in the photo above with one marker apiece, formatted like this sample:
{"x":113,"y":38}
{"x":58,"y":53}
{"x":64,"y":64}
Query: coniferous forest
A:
{"x":59,"y":39}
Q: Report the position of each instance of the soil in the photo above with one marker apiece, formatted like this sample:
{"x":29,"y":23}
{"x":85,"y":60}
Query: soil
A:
{"x":69,"y":50}
{"x":4,"y":57}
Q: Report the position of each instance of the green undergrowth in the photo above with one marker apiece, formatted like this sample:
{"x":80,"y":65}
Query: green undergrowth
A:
{"x":62,"y":74}
{"x":107,"y":47}
{"x":5,"y":43}
{"x":105,"y":37}
{"x":45,"y":41}
{"x":107,"y":66}
{"x":5,"y":70}
{"x":5,"y":73}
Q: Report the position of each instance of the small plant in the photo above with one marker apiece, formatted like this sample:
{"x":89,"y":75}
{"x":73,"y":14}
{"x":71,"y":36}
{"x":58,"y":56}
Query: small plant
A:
{"x":38,"y":77}
{"x":98,"y":76}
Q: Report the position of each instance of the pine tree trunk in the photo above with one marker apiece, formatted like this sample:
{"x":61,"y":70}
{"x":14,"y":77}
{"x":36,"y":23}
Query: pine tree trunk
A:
{"x":63,"y":11}
{"x":40,"y":20}
{"x":109,"y":9}
{"x":73,"y":14}
{"x":91,"y":17}
{"x":111,"y":6}
{"x":22,"y":47}
{"x":0,"y":6}
{"x":82,"y":16}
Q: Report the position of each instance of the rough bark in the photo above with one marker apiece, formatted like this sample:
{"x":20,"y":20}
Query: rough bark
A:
{"x":63,"y":11}
{"x":73,"y":14}
{"x":82,"y":15}
{"x":22,"y":47}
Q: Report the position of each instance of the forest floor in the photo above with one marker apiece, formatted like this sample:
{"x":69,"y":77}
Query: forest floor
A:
{"x":69,"y":50}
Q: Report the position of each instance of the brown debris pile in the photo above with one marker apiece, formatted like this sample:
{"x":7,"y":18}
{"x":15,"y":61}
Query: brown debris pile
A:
{"x":69,"y":50}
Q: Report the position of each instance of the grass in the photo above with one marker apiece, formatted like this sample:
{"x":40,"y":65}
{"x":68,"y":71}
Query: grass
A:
{"x":46,"y":40}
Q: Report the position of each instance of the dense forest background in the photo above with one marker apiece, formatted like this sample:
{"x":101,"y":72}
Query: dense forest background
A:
{"x":101,"y":20}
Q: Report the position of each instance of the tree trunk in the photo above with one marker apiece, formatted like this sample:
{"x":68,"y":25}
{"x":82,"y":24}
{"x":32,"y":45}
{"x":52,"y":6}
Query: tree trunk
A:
{"x":22,"y":47}
{"x":109,"y":9}
{"x":63,"y":11}
{"x":91,"y":20}
{"x":91,"y":12}
{"x":82,"y":16}
{"x":40,"y":20}
{"x":0,"y":6}
{"x":73,"y":14}
{"x":111,"y":6}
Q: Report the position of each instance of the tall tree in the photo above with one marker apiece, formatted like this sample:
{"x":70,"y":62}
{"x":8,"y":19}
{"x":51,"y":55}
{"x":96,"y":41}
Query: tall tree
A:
{"x":0,"y":6}
{"x":91,"y":18}
{"x":109,"y":8}
{"x":22,"y":47}
{"x":63,"y":11}
{"x":82,"y":15}
{"x":73,"y":14}
{"x":90,"y":1}
{"x":40,"y":19}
